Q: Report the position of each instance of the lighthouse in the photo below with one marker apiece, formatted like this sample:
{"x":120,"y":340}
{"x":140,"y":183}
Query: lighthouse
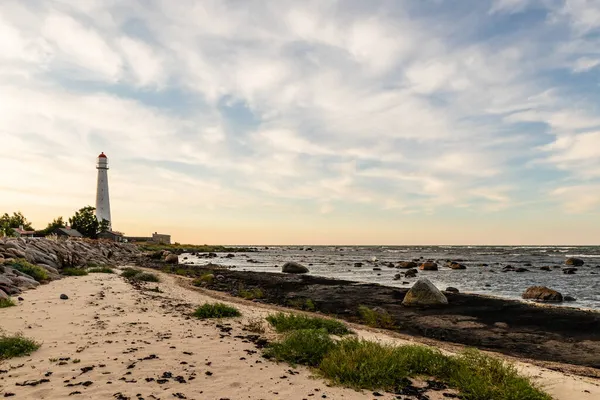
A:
{"x":102,"y":197}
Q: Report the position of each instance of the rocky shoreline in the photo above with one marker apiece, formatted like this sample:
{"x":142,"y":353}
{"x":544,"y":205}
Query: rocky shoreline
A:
{"x":515,"y":328}
{"x":55,"y":255}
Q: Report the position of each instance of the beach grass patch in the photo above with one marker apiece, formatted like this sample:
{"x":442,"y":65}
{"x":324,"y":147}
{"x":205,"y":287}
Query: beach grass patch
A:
{"x":216,"y":310}
{"x":16,"y":346}
{"x":101,"y":270}
{"x":4,"y":303}
{"x":256,"y":325}
{"x":375,"y":318}
{"x":146,"y":277}
{"x":130,"y":272}
{"x":36,"y":272}
{"x":206,"y":278}
{"x":255,"y":293}
{"x":306,"y":347}
{"x":74,"y":272}
{"x":285,"y":322}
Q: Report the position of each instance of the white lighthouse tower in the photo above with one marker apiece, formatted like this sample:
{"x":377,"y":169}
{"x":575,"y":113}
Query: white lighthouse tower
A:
{"x":102,"y":197}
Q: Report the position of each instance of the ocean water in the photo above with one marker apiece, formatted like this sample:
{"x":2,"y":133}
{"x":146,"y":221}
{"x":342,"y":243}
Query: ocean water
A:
{"x":338,"y":262}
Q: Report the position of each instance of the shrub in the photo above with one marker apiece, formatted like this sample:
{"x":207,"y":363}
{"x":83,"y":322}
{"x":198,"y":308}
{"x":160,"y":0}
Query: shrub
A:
{"x":216,"y":310}
{"x":308,"y":347}
{"x":16,"y":346}
{"x":375,"y":318}
{"x":101,"y":270}
{"x":309,"y":305}
{"x":6,"y":303}
{"x":292,"y":322}
{"x":251,"y":294}
{"x":74,"y":272}
{"x":34,"y":271}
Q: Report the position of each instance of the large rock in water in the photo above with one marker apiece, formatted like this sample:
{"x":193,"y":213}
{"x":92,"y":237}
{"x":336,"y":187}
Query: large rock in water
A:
{"x":542,"y":293}
{"x":172,"y":259}
{"x":407,"y":264}
{"x":428,"y":266}
{"x":574,"y":261}
{"x":294,"y":268}
{"x":424,"y":293}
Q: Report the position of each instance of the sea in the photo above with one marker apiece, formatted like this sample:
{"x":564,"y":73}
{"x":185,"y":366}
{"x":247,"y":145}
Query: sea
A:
{"x":483,"y":274}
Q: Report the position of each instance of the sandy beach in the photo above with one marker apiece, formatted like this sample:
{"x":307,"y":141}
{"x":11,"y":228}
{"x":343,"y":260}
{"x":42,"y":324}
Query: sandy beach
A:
{"x":111,"y":340}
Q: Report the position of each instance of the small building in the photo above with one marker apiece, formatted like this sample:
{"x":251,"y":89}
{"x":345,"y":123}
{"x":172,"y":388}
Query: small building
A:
{"x":67,"y":232}
{"x":161,"y":238}
{"x":20,"y":232}
{"x":112,"y":235}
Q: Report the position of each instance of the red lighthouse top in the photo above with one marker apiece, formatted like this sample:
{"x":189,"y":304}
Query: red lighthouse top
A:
{"x":102,"y":155}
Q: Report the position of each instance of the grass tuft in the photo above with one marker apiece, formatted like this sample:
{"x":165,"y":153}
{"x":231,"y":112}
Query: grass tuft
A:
{"x":255,"y":325}
{"x":216,"y":310}
{"x":34,"y":271}
{"x":130,"y":272}
{"x":16,"y":346}
{"x":283,"y":322}
{"x":4,"y":303}
{"x":74,"y":272}
{"x":375,"y":318}
{"x":206,"y":278}
{"x":146,"y":277}
{"x":101,"y":270}
{"x":307,"y":347}
{"x":251,"y":294}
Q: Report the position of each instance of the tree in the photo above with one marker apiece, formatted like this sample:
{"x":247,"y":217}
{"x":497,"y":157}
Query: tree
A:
{"x":9,"y":223}
{"x":57,"y":223}
{"x":85,"y":222}
{"x":104,"y":225}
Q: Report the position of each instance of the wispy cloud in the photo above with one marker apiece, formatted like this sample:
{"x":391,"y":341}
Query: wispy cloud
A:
{"x":310,"y":108}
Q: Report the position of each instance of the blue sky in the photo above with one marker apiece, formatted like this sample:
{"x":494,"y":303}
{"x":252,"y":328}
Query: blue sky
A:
{"x":430,"y":121}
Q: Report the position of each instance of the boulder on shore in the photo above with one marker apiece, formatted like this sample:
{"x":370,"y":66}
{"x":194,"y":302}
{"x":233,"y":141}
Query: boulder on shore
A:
{"x":569,"y":271}
{"x":172,"y":259}
{"x":424,"y":293}
{"x":452,"y":289}
{"x":407,"y":265}
{"x":411,"y":273}
{"x":577,"y":262}
{"x":542,"y":293}
{"x":455,"y":265}
{"x":294,"y":268}
{"x":428,"y":266}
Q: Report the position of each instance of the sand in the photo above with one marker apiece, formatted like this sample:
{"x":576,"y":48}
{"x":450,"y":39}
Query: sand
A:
{"x":117,"y":342}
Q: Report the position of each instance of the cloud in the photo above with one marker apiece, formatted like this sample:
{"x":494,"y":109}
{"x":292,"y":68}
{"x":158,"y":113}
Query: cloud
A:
{"x":315,"y":107}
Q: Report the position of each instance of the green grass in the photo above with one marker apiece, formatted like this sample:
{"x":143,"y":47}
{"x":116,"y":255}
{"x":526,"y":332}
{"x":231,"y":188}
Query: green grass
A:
{"x":16,"y":346}
{"x":130,"y":272}
{"x":374,"y":318}
{"x":216,"y":310}
{"x":4,"y":303}
{"x":206,"y":278}
{"x":283,"y":322}
{"x":36,"y":272}
{"x":362,"y":364}
{"x":251,"y":294}
{"x":101,"y":270}
{"x":146,"y":277}
{"x":74,"y":272}
{"x":307,"y":347}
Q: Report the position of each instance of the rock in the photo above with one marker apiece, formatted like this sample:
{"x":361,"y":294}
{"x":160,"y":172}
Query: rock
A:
{"x":411,"y":273}
{"x":358,"y":265}
{"x":521,"y":269}
{"x":424,"y":293}
{"x":455,"y":265}
{"x":397,"y":277}
{"x":390,"y":265}
{"x":64,"y":297}
{"x":569,"y":298}
{"x":407,"y":265}
{"x":376,"y":269}
{"x":569,"y":271}
{"x":577,"y":262}
{"x":3,"y":296}
{"x":508,"y":268}
{"x":545,"y":268}
{"x":20,"y":298}
{"x":542,"y":293}
{"x":294,"y":268}
{"x":230,"y":255}
{"x":452,"y":289}
{"x":172,"y":259}
{"x":428,"y":266}
{"x":501,"y":325}
{"x":25,"y":283}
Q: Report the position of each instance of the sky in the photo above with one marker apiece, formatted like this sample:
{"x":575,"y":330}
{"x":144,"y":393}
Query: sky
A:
{"x":307,"y":122}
